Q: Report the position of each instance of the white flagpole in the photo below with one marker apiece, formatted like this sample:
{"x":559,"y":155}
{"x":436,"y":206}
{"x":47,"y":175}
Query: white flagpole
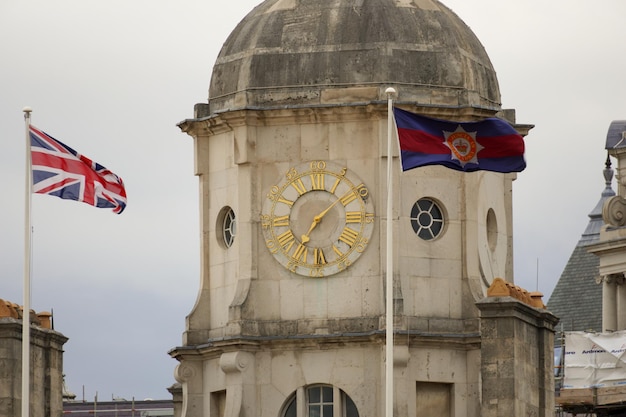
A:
{"x":391,"y":92}
{"x":26,"y":301}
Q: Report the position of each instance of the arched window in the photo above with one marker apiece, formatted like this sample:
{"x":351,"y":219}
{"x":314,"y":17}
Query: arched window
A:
{"x":319,"y":401}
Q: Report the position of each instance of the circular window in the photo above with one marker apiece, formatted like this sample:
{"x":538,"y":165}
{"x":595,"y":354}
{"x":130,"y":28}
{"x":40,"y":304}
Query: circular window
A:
{"x":228,"y":226}
{"x":426,"y":219}
{"x":492,"y":230}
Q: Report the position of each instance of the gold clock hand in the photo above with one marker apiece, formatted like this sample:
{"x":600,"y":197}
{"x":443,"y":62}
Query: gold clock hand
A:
{"x":305,"y":237}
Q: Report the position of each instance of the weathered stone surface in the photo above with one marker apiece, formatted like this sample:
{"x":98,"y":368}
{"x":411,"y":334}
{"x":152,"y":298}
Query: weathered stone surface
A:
{"x":46,"y":369}
{"x":516,"y":358}
{"x":308,"y":52}
{"x":301,"y":81}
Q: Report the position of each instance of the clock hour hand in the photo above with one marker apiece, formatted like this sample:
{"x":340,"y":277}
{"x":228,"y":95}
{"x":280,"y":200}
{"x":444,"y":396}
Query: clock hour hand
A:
{"x":305,"y":237}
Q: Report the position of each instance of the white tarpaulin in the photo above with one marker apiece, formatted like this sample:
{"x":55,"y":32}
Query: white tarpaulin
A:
{"x":594,"y":359}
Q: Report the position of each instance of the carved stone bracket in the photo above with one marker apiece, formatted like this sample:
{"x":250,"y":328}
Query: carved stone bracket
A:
{"x":231,"y":362}
{"x":614,"y":211}
{"x":183,"y":373}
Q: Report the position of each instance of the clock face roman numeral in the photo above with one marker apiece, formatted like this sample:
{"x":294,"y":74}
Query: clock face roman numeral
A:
{"x":359,"y":191}
{"x":348,"y":198}
{"x":353,"y":217}
{"x":317,"y":181}
{"x":335,"y":185}
{"x":300,"y":253}
{"x":285,"y":201}
{"x":349,"y":236}
{"x":299,"y":186}
{"x":318,"y":256}
{"x":286,"y":240}
{"x":280,"y":221}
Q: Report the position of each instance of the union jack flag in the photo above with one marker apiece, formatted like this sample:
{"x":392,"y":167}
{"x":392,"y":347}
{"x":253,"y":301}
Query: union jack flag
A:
{"x":60,"y":171}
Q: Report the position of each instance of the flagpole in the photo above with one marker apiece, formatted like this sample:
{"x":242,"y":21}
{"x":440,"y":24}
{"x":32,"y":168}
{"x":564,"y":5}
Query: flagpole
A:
{"x":26,"y":295}
{"x":391,"y":92}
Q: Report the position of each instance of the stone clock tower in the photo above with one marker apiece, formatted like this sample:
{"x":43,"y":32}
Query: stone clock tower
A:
{"x":290,"y":151}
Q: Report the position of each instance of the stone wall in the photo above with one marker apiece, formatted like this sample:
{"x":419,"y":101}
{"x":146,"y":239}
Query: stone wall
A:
{"x":46,"y":364}
{"x":517,"y":343}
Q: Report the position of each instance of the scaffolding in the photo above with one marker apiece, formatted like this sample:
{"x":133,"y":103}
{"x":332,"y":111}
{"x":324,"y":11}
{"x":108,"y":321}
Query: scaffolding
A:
{"x":600,"y":401}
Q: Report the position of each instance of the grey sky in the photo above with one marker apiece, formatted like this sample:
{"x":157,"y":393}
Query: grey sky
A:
{"x":112,"y":78}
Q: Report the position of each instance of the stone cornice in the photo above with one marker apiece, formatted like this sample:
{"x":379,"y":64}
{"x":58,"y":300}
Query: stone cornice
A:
{"x":509,"y":307}
{"x":228,"y":120}
{"x":216,"y":347}
{"x":607,"y":246}
{"x":12,"y":328}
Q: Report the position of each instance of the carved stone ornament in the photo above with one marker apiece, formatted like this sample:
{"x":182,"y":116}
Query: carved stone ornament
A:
{"x":235,"y":361}
{"x":614,"y":211}
{"x":617,"y":279}
{"x":183,"y":373}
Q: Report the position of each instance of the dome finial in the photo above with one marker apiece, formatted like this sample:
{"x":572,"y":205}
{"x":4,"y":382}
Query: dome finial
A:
{"x":608,"y":174}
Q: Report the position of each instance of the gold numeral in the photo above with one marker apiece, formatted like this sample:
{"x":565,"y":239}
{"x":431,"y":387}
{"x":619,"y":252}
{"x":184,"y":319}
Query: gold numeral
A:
{"x":285,"y":201}
{"x":348,"y":236}
{"x":285,"y":240}
{"x":337,"y":251}
{"x":280,"y":221}
{"x":317,"y":181}
{"x":335,"y":185}
{"x":348,"y":198}
{"x":300,"y":253}
{"x":265,"y":221}
{"x":362,"y":191}
{"x":316,"y":273}
{"x":353,"y":217}
{"x":318,"y":255}
{"x":299,"y":186}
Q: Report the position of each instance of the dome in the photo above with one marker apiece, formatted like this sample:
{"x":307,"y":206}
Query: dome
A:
{"x":301,"y":53}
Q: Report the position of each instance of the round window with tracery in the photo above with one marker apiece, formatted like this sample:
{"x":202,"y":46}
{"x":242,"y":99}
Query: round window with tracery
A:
{"x":427,"y":219}
{"x":228,"y":226}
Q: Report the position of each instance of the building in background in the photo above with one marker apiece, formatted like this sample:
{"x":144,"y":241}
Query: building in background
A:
{"x":577,"y":297}
{"x":291,"y":155}
{"x":611,"y":247}
{"x":590,"y":299}
{"x":46,"y":363}
{"x":119,"y":408}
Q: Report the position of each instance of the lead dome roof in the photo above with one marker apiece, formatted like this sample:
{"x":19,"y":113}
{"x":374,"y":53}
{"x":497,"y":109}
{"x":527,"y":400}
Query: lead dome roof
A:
{"x":318,"y":52}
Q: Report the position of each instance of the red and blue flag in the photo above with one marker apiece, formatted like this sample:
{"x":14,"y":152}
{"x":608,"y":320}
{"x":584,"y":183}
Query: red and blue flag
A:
{"x":491,"y":144}
{"x":60,"y":171}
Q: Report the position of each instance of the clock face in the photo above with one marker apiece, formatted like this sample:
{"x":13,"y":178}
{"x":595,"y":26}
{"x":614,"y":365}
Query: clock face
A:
{"x":318,"y":219}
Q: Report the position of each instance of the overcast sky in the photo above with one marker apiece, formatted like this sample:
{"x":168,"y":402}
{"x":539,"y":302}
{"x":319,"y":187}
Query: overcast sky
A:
{"x":113,"y":78}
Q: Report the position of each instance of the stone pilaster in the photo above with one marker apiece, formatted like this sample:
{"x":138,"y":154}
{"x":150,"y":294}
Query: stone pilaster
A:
{"x":46,"y":369}
{"x":517,"y":343}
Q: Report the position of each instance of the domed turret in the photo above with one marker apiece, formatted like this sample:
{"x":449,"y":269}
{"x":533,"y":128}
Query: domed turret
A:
{"x":293,"y":53}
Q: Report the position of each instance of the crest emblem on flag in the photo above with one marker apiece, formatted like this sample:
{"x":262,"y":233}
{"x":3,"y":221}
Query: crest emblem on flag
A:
{"x":463,"y":145}
{"x":491,"y":144}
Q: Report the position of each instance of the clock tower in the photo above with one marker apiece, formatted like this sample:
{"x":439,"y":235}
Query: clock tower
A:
{"x":291,"y":155}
